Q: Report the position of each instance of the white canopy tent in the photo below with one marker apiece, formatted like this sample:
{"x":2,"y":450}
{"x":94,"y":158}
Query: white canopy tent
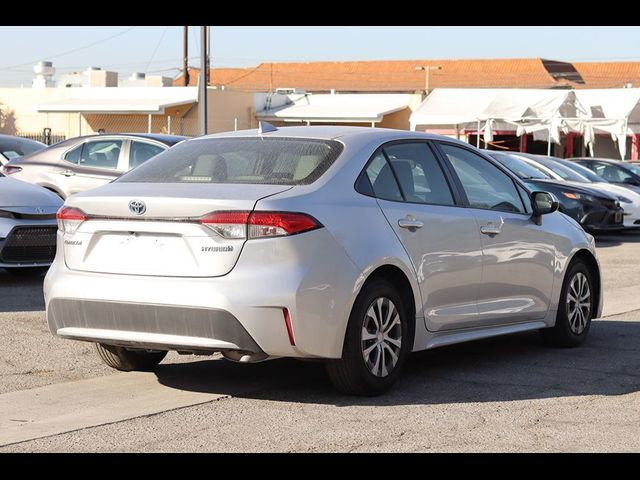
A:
{"x":614,"y":111}
{"x":528,"y":110}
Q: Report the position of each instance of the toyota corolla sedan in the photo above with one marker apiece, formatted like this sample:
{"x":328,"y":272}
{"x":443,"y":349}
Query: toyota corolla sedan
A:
{"x":27,"y":227}
{"x":83,"y":163}
{"x":353,"y":246}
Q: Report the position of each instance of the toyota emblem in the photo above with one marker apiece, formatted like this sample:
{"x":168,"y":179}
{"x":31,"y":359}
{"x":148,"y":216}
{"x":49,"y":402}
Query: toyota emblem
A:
{"x":137,"y":207}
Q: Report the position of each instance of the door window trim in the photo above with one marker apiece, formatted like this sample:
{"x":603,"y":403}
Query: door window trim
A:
{"x":458,"y":199}
{"x":493,"y":162}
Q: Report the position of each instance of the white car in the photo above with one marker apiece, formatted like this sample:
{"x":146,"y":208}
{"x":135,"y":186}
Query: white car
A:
{"x":355,"y":246}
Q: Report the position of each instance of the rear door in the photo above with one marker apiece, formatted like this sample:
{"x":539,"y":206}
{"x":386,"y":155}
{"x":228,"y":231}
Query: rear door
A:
{"x":518,"y":258}
{"x":440,"y":236}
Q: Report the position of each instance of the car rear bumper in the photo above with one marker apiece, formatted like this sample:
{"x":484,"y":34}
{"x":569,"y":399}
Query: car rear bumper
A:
{"x":163,"y":327}
{"x":309,"y":275}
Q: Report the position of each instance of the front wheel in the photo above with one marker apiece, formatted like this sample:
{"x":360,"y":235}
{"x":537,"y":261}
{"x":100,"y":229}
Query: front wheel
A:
{"x":377,"y":342}
{"x":129,"y":360}
{"x":575,"y":310}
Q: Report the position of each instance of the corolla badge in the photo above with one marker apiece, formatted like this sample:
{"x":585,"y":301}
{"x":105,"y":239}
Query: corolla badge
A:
{"x":137,"y":207}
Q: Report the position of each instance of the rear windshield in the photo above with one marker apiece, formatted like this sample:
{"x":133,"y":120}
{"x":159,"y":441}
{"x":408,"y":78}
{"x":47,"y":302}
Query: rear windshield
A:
{"x":274,"y":161}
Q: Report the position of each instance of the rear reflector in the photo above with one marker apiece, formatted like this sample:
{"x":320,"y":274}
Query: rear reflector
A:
{"x":244,"y":224}
{"x":69,"y":219}
{"x":287,"y":321}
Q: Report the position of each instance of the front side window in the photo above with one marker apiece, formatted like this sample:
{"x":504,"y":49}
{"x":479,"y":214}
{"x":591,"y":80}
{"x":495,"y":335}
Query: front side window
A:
{"x":270,"y":161}
{"x":419,"y":173}
{"x":140,"y":152}
{"x":486,"y":186}
{"x":101,"y":154}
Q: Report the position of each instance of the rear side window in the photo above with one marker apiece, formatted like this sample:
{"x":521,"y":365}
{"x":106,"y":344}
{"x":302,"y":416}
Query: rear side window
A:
{"x":140,"y":152}
{"x":272,"y":161}
{"x":73,"y":156}
{"x":382,"y":179}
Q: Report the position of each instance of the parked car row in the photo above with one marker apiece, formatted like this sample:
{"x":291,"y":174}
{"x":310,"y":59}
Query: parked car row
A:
{"x":348,"y":245}
{"x":592,"y":200}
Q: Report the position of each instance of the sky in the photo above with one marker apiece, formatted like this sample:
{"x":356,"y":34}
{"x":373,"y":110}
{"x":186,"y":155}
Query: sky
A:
{"x":158,"y":49}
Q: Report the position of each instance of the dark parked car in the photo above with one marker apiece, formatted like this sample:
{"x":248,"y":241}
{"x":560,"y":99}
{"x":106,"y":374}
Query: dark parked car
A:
{"x":14,"y":147}
{"x":83,"y":163}
{"x":594,"y":210}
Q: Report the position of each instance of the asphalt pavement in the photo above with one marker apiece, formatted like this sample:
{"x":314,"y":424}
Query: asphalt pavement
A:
{"x":498,"y":395}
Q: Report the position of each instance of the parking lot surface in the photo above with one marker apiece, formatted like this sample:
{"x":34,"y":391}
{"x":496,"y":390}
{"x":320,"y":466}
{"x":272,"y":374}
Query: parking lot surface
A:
{"x":503,"y":394}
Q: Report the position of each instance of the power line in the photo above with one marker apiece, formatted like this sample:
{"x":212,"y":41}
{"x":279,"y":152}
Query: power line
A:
{"x":68,"y":52}
{"x":156,"y":49}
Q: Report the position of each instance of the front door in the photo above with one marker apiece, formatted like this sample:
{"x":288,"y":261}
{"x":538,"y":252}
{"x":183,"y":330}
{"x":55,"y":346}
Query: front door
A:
{"x":518,"y":255}
{"x":440,"y":236}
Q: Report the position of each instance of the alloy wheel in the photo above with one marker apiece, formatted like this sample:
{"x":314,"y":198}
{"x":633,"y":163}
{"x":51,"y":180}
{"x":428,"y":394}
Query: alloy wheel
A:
{"x":578,"y":303}
{"x":381,"y":337}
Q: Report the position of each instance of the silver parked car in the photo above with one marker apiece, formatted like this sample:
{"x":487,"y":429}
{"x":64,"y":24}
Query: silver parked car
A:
{"x":352,"y":245}
{"x":27,"y":226}
{"x":83,"y":163}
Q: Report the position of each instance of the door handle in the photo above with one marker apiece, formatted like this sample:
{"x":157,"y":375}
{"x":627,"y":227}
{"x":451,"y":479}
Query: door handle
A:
{"x":67,"y":173}
{"x":410,"y":224}
{"x":491,"y":229}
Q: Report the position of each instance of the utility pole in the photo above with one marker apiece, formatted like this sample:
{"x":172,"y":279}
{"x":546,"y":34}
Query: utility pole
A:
{"x":203,"y":80}
{"x":185,"y":56}
{"x":427,"y":69}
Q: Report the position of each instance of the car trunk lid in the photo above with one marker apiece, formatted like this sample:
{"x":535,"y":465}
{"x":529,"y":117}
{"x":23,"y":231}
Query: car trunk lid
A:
{"x":150,"y":229}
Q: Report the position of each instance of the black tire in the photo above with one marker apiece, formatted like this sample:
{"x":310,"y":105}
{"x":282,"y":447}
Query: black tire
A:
{"x":27,"y":271}
{"x":129,"y":360}
{"x":566,"y":333}
{"x":350,"y":374}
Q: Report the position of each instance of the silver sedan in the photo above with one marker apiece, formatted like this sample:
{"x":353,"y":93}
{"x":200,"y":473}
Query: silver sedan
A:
{"x":27,"y":226}
{"x":351,"y":245}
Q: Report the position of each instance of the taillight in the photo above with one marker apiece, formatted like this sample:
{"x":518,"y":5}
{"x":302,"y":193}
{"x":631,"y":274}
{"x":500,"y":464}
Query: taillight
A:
{"x":69,"y":219}
{"x":227,"y":224}
{"x":244,"y":224}
{"x":9,"y":169}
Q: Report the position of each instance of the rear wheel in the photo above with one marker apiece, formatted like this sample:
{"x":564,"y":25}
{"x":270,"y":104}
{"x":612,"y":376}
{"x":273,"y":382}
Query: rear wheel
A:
{"x":376,"y":345}
{"x":575,"y":309}
{"x":129,"y":360}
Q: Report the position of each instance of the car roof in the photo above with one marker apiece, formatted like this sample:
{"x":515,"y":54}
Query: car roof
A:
{"x":163,"y":138}
{"x":332,"y":132}
{"x":606,"y":160}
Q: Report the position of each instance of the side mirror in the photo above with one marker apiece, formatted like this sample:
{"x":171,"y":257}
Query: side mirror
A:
{"x":631,"y":181}
{"x":543,"y":203}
